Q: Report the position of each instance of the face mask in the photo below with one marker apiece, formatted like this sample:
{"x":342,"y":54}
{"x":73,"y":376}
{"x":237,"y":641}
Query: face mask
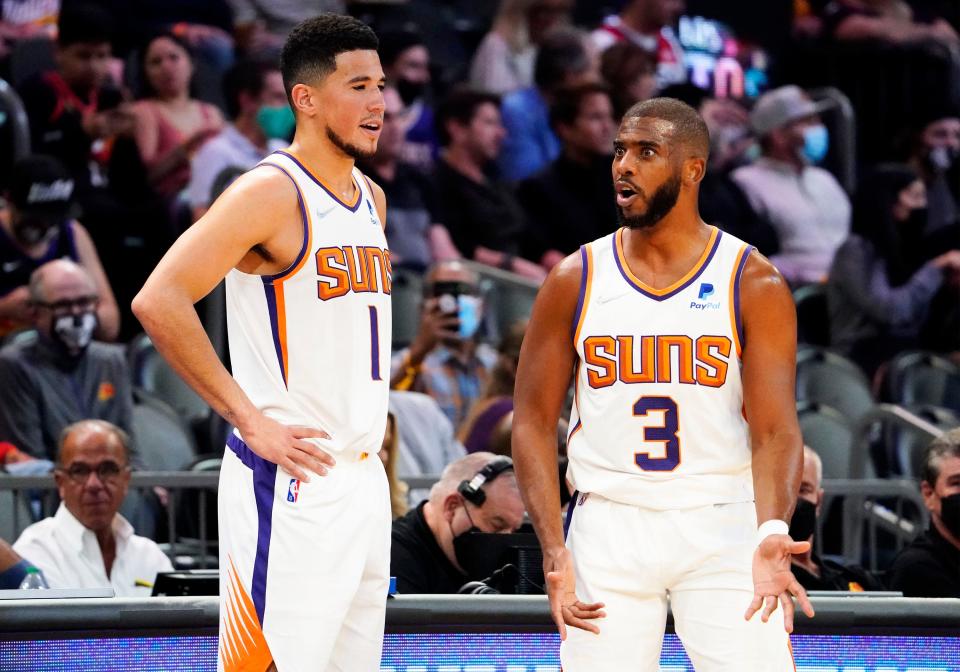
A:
{"x":30,"y":231}
{"x":469,"y":313}
{"x":804,"y":521}
{"x":816,"y":142}
{"x":950,"y":513}
{"x":941,"y":158}
{"x":277,"y":122}
{"x":410,"y":91}
{"x":74,"y":332}
{"x":917,"y":220}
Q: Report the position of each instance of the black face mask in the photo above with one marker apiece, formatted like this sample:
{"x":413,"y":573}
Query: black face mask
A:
{"x":464,"y":549}
{"x":950,"y":513}
{"x":30,"y":231}
{"x":410,"y":91}
{"x":804,"y":521}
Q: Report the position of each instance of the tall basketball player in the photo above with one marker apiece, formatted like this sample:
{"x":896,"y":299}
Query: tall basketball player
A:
{"x":304,"y":514}
{"x":681,"y":340}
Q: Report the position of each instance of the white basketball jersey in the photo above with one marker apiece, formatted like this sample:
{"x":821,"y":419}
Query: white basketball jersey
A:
{"x":311,"y":345}
{"x":658,"y":416}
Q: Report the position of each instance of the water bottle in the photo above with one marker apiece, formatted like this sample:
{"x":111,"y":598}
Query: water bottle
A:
{"x":33,"y":580}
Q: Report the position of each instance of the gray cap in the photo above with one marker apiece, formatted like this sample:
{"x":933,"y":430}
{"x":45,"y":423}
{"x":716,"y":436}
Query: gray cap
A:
{"x":779,"y":107}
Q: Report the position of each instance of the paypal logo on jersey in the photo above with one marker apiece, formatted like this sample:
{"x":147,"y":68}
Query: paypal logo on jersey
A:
{"x":706,"y":291}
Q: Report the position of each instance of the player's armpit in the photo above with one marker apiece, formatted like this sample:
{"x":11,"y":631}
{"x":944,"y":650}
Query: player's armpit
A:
{"x":768,"y":374}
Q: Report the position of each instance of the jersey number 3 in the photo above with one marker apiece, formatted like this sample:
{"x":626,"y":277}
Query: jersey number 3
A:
{"x":665,"y":433}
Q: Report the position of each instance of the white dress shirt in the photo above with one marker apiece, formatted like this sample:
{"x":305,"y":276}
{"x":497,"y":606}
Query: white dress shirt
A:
{"x":69,"y":556}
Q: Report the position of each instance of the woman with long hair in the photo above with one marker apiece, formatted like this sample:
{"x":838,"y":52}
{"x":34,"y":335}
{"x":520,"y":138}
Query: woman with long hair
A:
{"x":171,"y":125}
{"x":886,"y":274}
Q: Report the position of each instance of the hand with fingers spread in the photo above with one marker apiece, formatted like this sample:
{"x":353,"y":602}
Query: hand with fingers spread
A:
{"x":286,"y":446}
{"x":565,"y":607}
{"x":773,"y":581}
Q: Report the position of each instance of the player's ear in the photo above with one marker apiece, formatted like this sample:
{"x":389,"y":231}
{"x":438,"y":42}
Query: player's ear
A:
{"x":304,"y":99}
{"x":694,"y":169}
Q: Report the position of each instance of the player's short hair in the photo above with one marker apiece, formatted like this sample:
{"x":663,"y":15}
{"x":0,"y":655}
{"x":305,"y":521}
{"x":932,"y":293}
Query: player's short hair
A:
{"x":244,"y":77}
{"x":568,"y":101}
{"x":689,"y":128}
{"x":82,"y":23}
{"x":945,"y":445}
{"x":121,"y":436}
{"x":460,"y":106}
{"x":311,"y":50}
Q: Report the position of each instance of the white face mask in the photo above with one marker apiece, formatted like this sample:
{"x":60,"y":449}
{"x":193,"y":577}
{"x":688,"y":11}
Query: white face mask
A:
{"x":74,"y":332}
{"x":941,"y":158}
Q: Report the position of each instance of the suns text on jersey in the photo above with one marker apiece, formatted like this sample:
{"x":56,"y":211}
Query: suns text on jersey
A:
{"x":360,"y":269}
{"x":661,"y":359}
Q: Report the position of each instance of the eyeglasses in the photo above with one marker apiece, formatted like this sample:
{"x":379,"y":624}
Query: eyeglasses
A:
{"x":107,"y":472}
{"x":80,"y":304}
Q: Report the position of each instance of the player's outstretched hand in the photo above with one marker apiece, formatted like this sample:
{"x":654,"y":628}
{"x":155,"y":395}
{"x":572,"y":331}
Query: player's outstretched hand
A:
{"x":773,"y":581}
{"x":565,"y":607}
{"x":285,"y":447}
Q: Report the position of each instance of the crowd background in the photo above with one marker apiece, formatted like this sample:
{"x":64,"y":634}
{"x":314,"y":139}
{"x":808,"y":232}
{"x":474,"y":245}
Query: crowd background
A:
{"x":835,"y":150}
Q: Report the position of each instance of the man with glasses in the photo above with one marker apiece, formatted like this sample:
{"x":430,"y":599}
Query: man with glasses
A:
{"x":87,"y":544}
{"x":62,"y":376}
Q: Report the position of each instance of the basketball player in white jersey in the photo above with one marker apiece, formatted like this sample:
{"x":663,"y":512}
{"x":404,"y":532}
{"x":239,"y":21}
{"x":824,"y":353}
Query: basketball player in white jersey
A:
{"x":304,"y":514}
{"x":681,"y":341}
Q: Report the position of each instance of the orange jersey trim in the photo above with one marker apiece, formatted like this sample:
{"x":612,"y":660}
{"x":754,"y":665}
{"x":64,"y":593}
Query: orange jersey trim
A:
{"x":692,"y":273}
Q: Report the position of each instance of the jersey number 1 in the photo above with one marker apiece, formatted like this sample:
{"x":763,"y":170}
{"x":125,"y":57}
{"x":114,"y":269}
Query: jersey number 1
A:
{"x":666,"y":433}
{"x":374,"y":344}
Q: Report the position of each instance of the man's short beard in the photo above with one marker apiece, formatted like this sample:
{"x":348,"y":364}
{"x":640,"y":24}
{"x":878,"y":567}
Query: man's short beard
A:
{"x":353,"y":151}
{"x":661,"y":203}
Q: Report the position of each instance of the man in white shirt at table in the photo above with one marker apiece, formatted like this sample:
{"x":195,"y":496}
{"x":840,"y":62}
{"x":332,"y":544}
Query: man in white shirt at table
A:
{"x":87,"y":544}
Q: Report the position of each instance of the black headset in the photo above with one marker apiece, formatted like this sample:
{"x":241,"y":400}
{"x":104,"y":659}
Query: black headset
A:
{"x":471,"y":490}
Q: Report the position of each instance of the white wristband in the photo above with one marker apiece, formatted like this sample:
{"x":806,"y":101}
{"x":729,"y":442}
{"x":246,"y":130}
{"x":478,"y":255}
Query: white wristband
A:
{"x":771,"y":527}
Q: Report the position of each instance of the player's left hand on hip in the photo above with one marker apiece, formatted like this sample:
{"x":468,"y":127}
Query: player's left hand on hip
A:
{"x":773,"y":581}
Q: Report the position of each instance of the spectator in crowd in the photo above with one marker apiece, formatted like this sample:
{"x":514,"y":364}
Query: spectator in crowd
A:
{"x":13,"y":568}
{"x":813,"y":571}
{"x":564,"y":60}
{"x":445,"y":360}
{"x":490,"y":418}
{"x":390,"y":455}
{"x":426,"y":442}
{"x":649,"y":25}
{"x":261,"y":27}
{"x":26,"y":21}
{"x":882,"y":280}
{"x":722,"y":202}
{"x":171,"y":125}
{"x":930,"y":565}
{"x":485,"y":221}
{"x":62,"y":376}
{"x":887,"y":21}
{"x":39,"y":229}
{"x":262,"y":122}
{"x":934,"y":151}
{"x":406,"y":63}
{"x":630,"y":72}
{"x":415,"y":237}
{"x":503,"y":62}
{"x":571,"y":201}
{"x":423,"y":552}
{"x":804,"y":203}
{"x":87,"y":543}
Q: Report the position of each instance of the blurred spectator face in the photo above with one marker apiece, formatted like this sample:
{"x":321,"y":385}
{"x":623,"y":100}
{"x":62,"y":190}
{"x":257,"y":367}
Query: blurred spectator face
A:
{"x":485,"y":134}
{"x":593,"y":130}
{"x":804,"y":521}
{"x":457,"y":291}
{"x":410,"y":73}
{"x":501,"y":513}
{"x":84,"y":65}
{"x":392,"y":135}
{"x":545,"y":15}
{"x":792,"y":138}
{"x":65,"y":311}
{"x":941,"y":142}
{"x":273,"y":94}
{"x":911,"y":199}
{"x":93,"y":475}
{"x":630,"y":72}
{"x":728,"y":123}
{"x":167,"y":67}
{"x":941,"y":498}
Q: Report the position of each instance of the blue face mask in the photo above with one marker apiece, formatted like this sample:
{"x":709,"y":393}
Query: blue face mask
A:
{"x":816,"y":142}
{"x":276,"y":122}
{"x":469,"y":314}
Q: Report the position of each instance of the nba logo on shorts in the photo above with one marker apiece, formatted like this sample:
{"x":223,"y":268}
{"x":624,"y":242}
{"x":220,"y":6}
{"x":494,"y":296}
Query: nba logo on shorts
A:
{"x":706,"y":290}
{"x":293,"y":492}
